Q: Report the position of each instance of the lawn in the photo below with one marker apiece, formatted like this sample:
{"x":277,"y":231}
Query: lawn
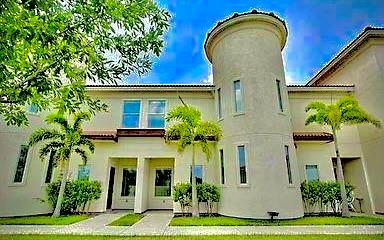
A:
{"x":127,"y":220}
{"x":254,"y":237}
{"x":230,"y":221}
{"x":42,"y":220}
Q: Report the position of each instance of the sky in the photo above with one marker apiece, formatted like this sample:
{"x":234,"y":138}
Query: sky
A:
{"x":317,"y":31}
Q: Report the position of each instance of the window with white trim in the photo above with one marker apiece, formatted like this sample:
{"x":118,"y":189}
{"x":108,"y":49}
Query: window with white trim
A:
{"x":50,"y":166}
{"x":219,"y":104}
{"x":156,"y":113}
{"x":163,"y":182}
{"x":238,"y":95}
{"x":198,"y":170}
{"x":288,"y":163}
{"x":128,"y":185}
{"x":312,"y":172}
{"x":279,"y":97}
{"x":21,"y":163}
{"x":241,"y":157}
{"x":131,"y":113}
{"x":222,"y":171}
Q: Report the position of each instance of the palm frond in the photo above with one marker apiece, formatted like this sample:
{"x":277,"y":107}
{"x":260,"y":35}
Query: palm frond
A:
{"x":83,"y":154}
{"x":79,"y":118}
{"x":184,"y":113}
{"x":87,"y":142}
{"x":44,"y":134}
{"x":317,"y":106}
{"x":59,"y":119}
{"x":205,"y":149}
{"x":48,"y":148}
{"x":208,"y":130}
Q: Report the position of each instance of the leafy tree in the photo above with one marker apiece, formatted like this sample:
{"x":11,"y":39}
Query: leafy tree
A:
{"x":50,"y":48}
{"x":208,"y":193}
{"x":182,"y":194}
{"x":346,"y":111}
{"x":186,"y":128}
{"x":62,"y":142}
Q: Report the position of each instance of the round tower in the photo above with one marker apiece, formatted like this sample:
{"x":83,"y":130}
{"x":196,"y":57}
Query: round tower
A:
{"x":260,"y":168}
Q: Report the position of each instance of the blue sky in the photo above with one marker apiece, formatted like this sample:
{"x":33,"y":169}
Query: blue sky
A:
{"x":317,"y":31}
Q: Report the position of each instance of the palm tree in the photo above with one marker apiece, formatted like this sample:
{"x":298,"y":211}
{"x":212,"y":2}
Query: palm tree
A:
{"x":62,"y":142}
{"x":346,"y":111}
{"x":187,"y":129}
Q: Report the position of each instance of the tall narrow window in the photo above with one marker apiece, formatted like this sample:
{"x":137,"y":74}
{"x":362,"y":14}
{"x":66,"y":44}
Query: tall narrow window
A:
{"x":48,"y":175}
{"x":242,"y":164}
{"x":20,"y":169}
{"x":198,"y":170}
{"x":163,"y":182}
{"x":219,"y":106}
{"x":83,"y":172}
{"x":312,"y":172}
{"x":238,"y":96}
{"x":221,"y":152}
{"x":156,"y":113}
{"x":131,"y":113}
{"x":287,"y":161}
{"x":279,"y":98}
{"x":128,"y":185}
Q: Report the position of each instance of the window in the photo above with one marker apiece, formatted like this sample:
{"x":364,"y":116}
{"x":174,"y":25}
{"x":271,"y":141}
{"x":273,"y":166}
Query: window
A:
{"x":242,"y":164}
{"x":156,"y":113}
{"x":131,"y":113}
{"x":238,"y":96}
{"x":20,"y":169}
{"x":219,"y":107}
{"x":163,"y":181}
{"x":48,"y":175}
{"x":221,"y":153}
{"x":278,"y":85}
{"x":312,"y":172}
{"x":128,"y":185}
{"x":287,"y":161}
{"x":198,"y":170}
{"x":83,"y":172}
{"x":32,"y":108}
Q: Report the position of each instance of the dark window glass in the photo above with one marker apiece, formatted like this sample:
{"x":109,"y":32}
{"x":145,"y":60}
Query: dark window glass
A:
{"x":20,"y":169}
{"x":312,"y":172}
{"x":242,"y":164}
{"x":156,"y":113}
{"x":222,"y":166}
{"x":48,"y":175}
{"x":286,"y":148}
{"x":198,"y":174}
{"x":131,"y":113}
{"x":128,"y":186}
{"x":278,"y":85}
{"x":219,"y":107}
{"x":163,"y":182}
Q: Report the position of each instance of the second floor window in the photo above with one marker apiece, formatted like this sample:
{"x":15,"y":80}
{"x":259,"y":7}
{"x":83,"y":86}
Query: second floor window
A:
{"x":238,"y":96}
{"x":219,"y":104}
{"x":131,"y":113}
{"x":156,"y":113}
{"x":279,"y":98}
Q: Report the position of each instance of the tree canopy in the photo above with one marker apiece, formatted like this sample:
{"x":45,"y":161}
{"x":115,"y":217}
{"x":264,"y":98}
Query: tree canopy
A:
{"x":50,"y":48}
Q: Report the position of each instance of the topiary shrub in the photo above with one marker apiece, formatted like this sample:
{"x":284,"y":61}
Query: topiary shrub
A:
{"x":209,"y":194}
{"x":182,"y":193}
{"x":323,"y":195}
{"x":77,"y":194}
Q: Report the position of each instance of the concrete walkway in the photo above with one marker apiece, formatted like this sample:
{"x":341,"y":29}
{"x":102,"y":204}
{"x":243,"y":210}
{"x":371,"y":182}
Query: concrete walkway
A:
{"x":156,"y":223}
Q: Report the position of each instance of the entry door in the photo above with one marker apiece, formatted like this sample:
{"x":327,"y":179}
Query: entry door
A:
{"x":110,"y":187}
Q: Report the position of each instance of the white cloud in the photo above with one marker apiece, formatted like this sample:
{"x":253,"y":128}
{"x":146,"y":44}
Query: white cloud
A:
{"x":209,"y":78}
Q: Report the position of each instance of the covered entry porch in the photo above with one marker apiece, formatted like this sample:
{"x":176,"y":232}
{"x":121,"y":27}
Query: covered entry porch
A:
{"x":140,"y":183}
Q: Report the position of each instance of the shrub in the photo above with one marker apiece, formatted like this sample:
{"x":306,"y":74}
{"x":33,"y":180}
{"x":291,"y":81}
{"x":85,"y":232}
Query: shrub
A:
{"x":77,"y":194}
{"x":208,"y":193}
{"x":322,"y":195}
{"x":182,"y":193}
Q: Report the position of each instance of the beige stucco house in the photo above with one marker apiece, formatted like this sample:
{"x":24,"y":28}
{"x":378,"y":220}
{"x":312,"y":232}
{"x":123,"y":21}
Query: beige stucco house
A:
{"x":266,"y":150}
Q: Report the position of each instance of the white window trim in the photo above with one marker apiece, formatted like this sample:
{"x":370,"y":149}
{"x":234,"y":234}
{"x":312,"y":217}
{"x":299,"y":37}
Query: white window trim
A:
{"x":245,"y":144}
{"x":154,"y":182}
{"x":120,"y":188}
{"x":27,"y":162}
{"x":305,"y":170}
{"x":140,"y":113}
{"x":234,"y":113}
{"x":147,"y":112}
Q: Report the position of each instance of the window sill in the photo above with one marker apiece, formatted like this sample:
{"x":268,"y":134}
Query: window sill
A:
{"x":291,"y":185}
{"x":220,"y":119}
{"x":22,"y":184}
{"x":282,"y":113}
{"x":245,"y":185}
{"x":238,"y":114}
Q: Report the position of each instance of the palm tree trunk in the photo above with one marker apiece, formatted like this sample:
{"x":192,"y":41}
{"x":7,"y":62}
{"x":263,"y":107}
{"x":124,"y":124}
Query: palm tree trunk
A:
{"x":340,"y":179}
{"x":195,"y":209}
{"x":60,"y":198}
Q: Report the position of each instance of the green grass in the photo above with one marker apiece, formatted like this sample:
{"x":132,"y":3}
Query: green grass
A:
{"x":42,"y":220}
{"x":254,"y":237}
{"x":127,"y":220}
{"x":230,"y":221}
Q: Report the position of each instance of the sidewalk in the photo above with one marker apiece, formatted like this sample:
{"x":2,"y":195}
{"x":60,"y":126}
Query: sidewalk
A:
{"x":156,"y":223}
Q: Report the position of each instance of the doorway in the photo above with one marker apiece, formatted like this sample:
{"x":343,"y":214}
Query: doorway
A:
{"x":110,"y":187}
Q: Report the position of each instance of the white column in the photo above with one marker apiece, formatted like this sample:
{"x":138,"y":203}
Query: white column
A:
{"x":141,"y":185}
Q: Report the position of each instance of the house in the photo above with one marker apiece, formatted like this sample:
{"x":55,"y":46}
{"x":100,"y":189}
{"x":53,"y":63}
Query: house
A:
{"x":266,"y":150}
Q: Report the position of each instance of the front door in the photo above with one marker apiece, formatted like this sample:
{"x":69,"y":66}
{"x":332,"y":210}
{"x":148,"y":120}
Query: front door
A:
{"x":110,"y":187}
